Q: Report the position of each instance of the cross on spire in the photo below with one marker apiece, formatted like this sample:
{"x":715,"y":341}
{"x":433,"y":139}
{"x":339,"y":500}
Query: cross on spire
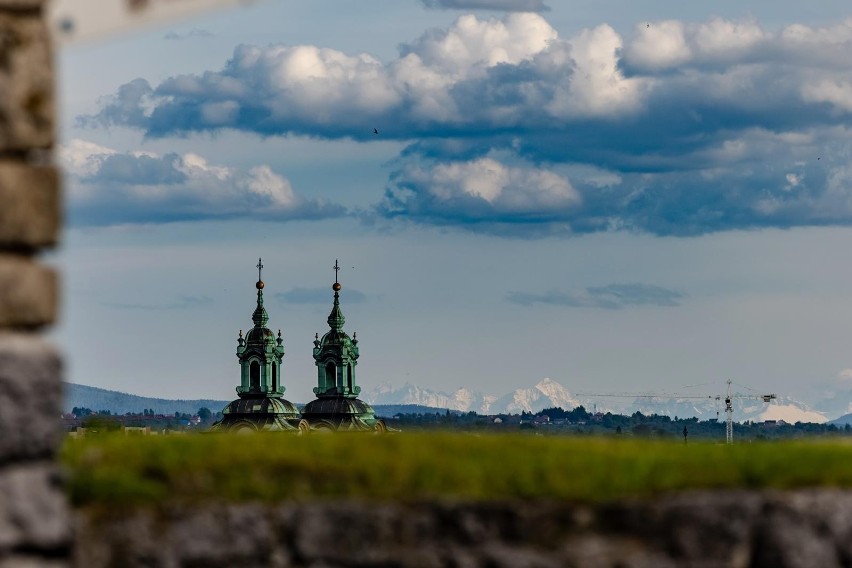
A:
{"x":336,"y":270}
{"x":259,"y":268}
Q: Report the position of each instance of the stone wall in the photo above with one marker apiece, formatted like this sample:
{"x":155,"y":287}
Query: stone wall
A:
{"x":34,"y":520}
{"x":810,"y":529}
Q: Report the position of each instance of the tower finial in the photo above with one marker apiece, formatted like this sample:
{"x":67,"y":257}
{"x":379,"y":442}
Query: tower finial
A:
{"x":259,"y":271}
{"x":336,"y":286}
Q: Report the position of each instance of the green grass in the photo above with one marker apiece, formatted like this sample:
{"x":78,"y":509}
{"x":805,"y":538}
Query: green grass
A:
{"x":116,"y":469}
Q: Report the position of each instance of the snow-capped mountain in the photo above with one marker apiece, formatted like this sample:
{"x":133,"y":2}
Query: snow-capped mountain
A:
{"x":462,"y":399}
{"x":783,"y":408}
{"x":548,"y":393}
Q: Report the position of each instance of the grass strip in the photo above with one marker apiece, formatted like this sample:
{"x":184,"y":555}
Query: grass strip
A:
{"x":134,"y":470}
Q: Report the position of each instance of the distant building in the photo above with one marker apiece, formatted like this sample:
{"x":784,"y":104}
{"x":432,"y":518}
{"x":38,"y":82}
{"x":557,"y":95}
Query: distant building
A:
{"x":260,"y":406}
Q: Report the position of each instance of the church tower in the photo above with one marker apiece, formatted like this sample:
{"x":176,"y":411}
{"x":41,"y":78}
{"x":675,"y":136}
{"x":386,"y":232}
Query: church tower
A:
{"x":337,"y":406}
{"x":260,"y":406}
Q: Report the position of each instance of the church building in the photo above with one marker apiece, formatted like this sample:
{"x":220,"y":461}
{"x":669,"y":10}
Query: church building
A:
{"x":260,"y":406}
{"x":337,"y":407}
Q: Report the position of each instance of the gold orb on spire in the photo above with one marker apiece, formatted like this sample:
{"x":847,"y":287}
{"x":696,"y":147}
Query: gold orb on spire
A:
{"x":336,"y":286}
{"x":259,"y":285}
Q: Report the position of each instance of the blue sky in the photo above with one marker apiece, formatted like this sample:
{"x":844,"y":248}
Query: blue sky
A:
{"x":618,"y":197}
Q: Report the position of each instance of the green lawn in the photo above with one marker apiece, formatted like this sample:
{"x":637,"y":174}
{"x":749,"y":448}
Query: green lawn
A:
{"x":116,"y":469}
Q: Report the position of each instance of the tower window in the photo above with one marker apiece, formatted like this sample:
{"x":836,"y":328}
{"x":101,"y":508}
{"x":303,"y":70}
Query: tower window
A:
{"x":254,"y":375}
{"x":330,"y":375}
{"x":274,"y":376}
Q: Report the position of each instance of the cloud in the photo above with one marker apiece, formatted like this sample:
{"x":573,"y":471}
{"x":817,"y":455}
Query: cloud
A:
{"x":318,"y":296}
{"x":479,"y":190}
{"x":182,"y":303}
{"x":304,"y":89}
{"x":699,"y":127}
{"x":110,"y":187}
{"x":504,"y":5}
{"x":611,"y":297}
{"x":195,"y":33}
{"x":845,"y":375}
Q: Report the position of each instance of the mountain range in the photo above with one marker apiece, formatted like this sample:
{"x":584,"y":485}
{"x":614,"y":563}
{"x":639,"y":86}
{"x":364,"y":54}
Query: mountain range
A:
{"x":548,"y":393}
{"x":83,"y":396}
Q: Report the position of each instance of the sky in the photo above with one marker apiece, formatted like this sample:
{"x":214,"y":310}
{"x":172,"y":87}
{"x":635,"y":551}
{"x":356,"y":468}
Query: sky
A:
{"x":621,"y":196}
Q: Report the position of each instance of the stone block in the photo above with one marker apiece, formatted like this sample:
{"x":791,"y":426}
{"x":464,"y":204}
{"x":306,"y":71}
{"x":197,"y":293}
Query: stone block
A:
{"x":21,"y":5}
{"x":30,"y":215}
{"x":30,"y":398}
{"x":28,"y":292}
{"x":26,"y":82}
{"x":34,"y":514}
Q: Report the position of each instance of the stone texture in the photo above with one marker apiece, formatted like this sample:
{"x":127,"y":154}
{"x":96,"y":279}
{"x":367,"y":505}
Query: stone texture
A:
{"x":26,"y":80}
{"x":32,"y":561}
{"x":735,"y":529}
{"x":30,"y":215}
{"x":30,"y":398}
{"x":28,"y":292}
{"x":21,"y":5}
{"x":33,"y":513}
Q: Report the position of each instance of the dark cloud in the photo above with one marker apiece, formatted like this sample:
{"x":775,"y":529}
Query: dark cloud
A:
{"x":610,"y":297}
{"x":108,"y":187}
{"x":688,"y":128}
{"x":138,"y":170}
{"x":503,"y":5}
{"x":182,"y":303}
{"x":319,"y":296}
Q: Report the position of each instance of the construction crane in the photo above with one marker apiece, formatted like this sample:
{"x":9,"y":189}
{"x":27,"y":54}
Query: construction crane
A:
{"x":729,"y":398}
{"x":729,"y":409}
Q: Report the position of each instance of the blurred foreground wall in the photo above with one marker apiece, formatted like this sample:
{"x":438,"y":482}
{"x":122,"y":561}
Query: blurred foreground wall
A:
{"x":34,"y":519}
{"x":724,"y":529}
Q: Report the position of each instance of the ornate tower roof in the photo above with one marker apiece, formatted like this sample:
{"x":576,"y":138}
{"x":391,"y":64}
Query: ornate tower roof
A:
{"x":336,"y":354}
{"x":260,"y":352}
{"x":260,"y":405}
{"x":337,"y":406}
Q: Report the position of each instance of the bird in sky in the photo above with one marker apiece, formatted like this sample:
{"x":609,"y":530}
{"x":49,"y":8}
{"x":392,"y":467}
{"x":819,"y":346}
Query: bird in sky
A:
{"x":375,"y":131}
{"x":647,"y":25}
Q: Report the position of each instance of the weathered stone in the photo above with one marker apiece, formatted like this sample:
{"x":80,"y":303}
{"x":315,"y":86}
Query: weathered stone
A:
{"x":33,"y":511}
{"x":30,"y":397}
{"x":26,"y":82}
{"x":234,"y":535}
{"x":30,"y":215}
{"x":680,"y":525}
{"x":28,"y":292}
{"x":127,"y":540}
{"x":783,"y":539}
{"x":31,"y":561}
{"x":17,"y":5}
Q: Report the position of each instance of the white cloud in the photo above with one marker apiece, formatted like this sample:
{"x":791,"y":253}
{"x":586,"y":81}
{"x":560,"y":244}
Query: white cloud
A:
{"x":845,"y":374}
{"x":663,"y":45}
{"x":832,"y":91}
{"x":485,"y":187}
{"x":114,"y":187}
{"x":597,"y":87}
{"x":481,"y":190}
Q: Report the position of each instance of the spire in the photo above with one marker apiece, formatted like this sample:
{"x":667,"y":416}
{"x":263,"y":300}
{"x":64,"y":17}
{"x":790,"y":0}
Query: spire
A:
{"x":335,"y":318}
{"x":259,"y":317}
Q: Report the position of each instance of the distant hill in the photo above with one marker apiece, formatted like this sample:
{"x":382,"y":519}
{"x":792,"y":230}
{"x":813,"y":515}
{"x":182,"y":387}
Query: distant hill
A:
{"x":83,"y":396}
{"x":121,"y":403}
{"x":843,"y":420}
